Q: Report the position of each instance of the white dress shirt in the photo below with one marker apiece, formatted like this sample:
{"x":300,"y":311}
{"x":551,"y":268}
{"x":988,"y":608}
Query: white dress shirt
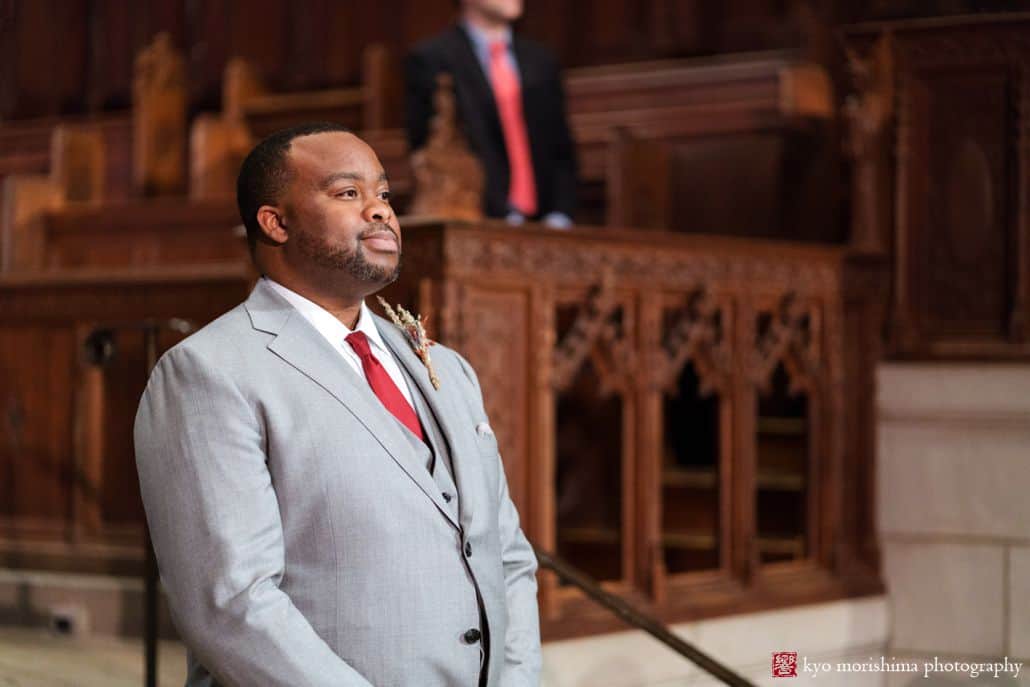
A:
{"x":336,"y":333}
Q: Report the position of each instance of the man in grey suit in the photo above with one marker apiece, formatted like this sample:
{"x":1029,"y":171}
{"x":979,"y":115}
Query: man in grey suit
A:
{"x":322,"y":514}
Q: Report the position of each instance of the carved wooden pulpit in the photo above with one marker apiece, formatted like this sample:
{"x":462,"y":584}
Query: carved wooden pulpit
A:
{"x":685,"y":418}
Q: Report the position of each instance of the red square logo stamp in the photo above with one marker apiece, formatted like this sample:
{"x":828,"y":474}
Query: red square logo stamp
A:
{"x":785,"y":664}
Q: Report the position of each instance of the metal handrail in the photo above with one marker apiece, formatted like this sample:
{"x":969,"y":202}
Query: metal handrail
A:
{"x":638,"y":618}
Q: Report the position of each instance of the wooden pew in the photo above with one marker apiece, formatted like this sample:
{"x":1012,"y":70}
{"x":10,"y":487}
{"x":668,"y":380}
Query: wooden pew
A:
{"x":144,"y":233}
{"x":741,"y":148}
{"x":251,"y":111}
{"x":122,"y":149}
{"x":55,"y":163}
{"x":40,"y":230}
{"x":757,"y":103}
{"x":679,"y":99}
{"x":372,"y":105}
{"x":27,"y":147}
{"x":48,"y":237}
{"x":669,"y":100}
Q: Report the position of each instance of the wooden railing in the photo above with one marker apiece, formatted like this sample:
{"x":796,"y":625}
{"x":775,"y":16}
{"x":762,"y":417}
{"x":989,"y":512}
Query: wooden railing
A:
{"x":687,"y":419}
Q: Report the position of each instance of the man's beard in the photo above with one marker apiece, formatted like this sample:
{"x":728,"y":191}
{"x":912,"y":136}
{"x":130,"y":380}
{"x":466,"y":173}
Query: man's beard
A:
{"x":338,"y":258}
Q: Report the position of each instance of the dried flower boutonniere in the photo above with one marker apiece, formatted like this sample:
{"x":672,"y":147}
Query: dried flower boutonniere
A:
{"x":413,"y":326}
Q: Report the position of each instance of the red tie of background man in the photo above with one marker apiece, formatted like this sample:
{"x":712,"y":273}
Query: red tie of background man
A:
{"x":382,"y":384}
{"x":508,"y":94}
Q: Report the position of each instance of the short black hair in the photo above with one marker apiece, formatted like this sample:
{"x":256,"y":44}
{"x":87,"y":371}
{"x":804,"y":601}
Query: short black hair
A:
{"x":264,"y":172}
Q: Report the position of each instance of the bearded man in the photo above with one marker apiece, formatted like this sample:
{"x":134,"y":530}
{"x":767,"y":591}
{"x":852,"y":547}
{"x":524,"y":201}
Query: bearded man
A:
{"x":321,"y":512}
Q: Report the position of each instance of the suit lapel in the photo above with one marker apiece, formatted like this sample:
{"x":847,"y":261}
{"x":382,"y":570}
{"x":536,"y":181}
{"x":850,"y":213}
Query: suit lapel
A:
{"x":527,"y":66}
{"x":470,"y":71}
{"x":300,"y":345}
{"x":447,"y":409}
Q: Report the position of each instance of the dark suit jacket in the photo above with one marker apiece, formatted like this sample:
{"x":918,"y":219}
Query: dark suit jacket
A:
{"x":543,"y":102}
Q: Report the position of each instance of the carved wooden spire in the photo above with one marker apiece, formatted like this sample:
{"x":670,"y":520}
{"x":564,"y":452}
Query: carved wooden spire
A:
{"x":870,"y":115}
{"x":448,"y":177}
{"x":159,"y":119}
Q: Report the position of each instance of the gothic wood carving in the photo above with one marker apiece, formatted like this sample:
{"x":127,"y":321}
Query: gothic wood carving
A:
{"x":788,"y":340}
{"x":696,"y":336}
{"x":448,"y":177}
{"x":593,"y":335}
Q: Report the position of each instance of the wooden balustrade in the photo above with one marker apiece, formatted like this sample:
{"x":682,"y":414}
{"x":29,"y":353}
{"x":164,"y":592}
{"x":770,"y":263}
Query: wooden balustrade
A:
{"x":685,"y":418}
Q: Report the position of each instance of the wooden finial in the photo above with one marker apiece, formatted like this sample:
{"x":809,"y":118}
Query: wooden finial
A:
{"x":448,"y":176}
{"x":159,"y":119}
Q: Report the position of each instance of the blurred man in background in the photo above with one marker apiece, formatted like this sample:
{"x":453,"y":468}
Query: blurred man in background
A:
{"x":511,"y":106}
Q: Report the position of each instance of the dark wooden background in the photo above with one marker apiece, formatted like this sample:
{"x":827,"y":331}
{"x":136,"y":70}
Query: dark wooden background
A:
{"x":62,"y":57}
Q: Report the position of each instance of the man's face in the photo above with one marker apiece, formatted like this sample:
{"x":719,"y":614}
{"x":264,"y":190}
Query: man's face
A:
{"x":337,"y":210}
{"x":497,"y":10}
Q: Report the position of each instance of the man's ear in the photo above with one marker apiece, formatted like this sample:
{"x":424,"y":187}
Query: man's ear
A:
{"x":272,"y":224}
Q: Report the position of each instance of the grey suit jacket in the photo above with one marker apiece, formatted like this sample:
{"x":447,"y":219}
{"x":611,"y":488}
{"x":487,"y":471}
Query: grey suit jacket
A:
{"x":299,"y":539}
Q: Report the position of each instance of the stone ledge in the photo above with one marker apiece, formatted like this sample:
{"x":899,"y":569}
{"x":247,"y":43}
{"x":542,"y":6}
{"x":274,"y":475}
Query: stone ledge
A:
{"x":101,"y":605}
{"x":966,"y":393}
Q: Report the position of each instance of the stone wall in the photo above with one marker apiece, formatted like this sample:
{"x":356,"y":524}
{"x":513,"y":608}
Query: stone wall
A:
{"x":954,"y":509}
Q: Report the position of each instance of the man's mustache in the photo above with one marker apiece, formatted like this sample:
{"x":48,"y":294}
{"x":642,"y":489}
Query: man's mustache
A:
{"x":378,"y":228}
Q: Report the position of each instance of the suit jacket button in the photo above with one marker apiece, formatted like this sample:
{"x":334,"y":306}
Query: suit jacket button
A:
{"x":468,"y":550}
{"x":472,"y":636}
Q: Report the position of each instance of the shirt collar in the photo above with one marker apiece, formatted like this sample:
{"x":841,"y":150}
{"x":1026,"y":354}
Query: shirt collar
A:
{"x":481,"y":41}
{"x":325,"y":322}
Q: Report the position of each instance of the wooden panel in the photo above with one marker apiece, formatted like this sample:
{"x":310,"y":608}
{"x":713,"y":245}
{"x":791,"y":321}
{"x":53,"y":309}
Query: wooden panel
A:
{"x":37,"y":369}
{"x":76,"y":57}
{"x":488,"y":316}
{"x":961,"y":232}
{"x":769,"y":522}
{"x":26,"y":199}
{"x":145,"y":233}
{"x":68,"y":489}
{"x":968,"y":207}
{"x":49,"y":58}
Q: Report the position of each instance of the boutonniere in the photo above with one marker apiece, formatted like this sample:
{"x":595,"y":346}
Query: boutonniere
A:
{"x":417,"y":333}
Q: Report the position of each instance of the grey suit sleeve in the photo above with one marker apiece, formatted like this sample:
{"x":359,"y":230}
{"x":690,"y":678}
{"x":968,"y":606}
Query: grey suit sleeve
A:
{"x":215,"y":524}
{"x":522,"y":658}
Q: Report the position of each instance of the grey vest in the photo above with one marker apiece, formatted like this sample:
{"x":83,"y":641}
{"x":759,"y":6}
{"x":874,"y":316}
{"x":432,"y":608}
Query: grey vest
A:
{"x":433,"y":452}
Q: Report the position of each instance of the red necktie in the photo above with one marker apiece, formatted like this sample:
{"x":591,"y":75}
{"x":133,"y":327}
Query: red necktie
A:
{"x":383,"y":386}
{"x":508,"y":94}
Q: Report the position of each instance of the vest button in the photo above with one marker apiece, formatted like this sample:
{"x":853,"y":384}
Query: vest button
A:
{"x":468,"y":550}
{"x":447,"y":497}
{"x":472,"y":636}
